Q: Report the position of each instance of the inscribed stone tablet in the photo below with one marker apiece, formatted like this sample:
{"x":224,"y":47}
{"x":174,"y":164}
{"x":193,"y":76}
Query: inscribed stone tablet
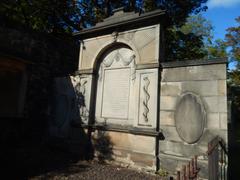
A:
{"x":116,"y":93}
{"x":190,"y":118}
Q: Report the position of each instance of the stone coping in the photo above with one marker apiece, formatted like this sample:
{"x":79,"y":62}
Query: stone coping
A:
{"x":196,"y":62}
{"x":147,"y":66}
{"x":128,"y":20}
{"x":171,"y":64}
{"x":125,"y":129}
{"x":84,"y":71}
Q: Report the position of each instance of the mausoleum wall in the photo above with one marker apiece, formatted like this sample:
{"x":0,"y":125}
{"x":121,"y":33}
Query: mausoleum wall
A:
{"x":193,"y":111}
{"x":140,"y":110}
{"x":143,"y":41}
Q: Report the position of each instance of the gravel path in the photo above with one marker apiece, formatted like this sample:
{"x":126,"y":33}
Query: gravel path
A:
{"x":95,"y":171}
{"x":41,"y":162}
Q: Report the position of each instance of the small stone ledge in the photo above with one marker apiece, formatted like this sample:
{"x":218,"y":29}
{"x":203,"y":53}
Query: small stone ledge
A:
{"x":197,"y":62}
{"x":126,"y":129}
{"x":147,"y":66}
{"x":84,"y":71}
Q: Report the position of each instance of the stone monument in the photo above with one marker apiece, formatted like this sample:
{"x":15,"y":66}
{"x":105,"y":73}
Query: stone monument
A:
{"x":155,"y":113}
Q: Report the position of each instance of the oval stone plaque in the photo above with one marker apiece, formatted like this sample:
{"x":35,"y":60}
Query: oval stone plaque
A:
{"x":190,"y":118}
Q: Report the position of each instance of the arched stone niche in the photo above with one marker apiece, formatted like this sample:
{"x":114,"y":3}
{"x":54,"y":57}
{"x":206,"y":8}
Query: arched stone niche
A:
{"x":125,"y":95}
{"x":190,"y":117}
{"x":115,"y":84}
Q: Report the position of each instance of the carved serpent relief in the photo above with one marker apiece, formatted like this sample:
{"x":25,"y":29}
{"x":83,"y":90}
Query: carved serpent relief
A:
{"x":146,"y":98}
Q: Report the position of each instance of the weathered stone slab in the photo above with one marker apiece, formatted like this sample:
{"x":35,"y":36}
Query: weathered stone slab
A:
{"x":170,"y":133}
{"x":190,"y":118}
{"x":167,"y":118}
{"x":116,"y":93}
{"x":137,"y":143}
{"x":168,"y":103}
{"x":224,"y":121}
{"x":222,"y":101}
{"x":222,"y":87}
{"x":215,"y":104}
{"x":180,"y":149}
{"x":194,"y":73}
{"x":143,"y":144}
{"x":172,"y":164}
{"x":213,"y":121}
{"x":203,"y":88}
{"x":209,"y":134}
{"x":171,"y":88}
{"x":134,"y":159}
{"x":143,"y":159}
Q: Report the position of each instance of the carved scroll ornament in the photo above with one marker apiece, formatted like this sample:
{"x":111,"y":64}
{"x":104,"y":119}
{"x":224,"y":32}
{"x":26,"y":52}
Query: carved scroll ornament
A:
{"x":125,"y":61}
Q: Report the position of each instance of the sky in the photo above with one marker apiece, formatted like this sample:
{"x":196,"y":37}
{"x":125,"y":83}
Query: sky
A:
{"x":222,"y":14}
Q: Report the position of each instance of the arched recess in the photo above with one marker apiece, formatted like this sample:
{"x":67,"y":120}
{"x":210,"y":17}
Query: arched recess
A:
{"x":108,"y":46}
{"x":115,"y":73}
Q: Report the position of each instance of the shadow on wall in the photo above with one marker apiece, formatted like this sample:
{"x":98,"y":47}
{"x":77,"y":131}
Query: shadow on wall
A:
{"x":103,"y":146}
{"x":38,"y":144}
{"x":56,"y":141}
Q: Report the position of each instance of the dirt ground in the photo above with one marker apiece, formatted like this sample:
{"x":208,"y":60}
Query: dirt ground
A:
{"x":95,"y":171}
{"x":42,"y":162}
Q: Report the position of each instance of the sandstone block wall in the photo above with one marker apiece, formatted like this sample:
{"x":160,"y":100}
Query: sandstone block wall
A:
{"x":206,"y":82}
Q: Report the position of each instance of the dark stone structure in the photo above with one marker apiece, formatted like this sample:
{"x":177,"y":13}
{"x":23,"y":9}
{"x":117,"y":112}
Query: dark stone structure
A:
{"x":28,"y":62}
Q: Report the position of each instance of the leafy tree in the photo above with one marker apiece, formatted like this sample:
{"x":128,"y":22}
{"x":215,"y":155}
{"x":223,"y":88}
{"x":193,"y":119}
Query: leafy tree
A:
{"x":66,"y":16}
{"x":216,"y":49}
{"x":54,"y":16}
{"x":180,"y":46}
{"x":61,"y":15}
{"x":191,"y":40}
{"x":177,"y":11}
{"x":232,"y":39}
{"x":200,"y":26}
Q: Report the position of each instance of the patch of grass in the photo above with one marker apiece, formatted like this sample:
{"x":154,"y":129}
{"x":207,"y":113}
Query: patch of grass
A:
{"x":161,"y":172}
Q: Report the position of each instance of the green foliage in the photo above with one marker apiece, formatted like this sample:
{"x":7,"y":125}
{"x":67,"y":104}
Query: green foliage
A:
{"x":232,"y":39}
{"x":163,"y":173}
{"x":65,"y":15}
{"x":199,"y":26}
{"x":177,"y":11}
{"x":150,"y":5}
{"x":61,"y":18}
{"x":217,"y":49}
{"x":191,"y":40}
{"x":45,"y":16}
{"x":180,"y":46}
